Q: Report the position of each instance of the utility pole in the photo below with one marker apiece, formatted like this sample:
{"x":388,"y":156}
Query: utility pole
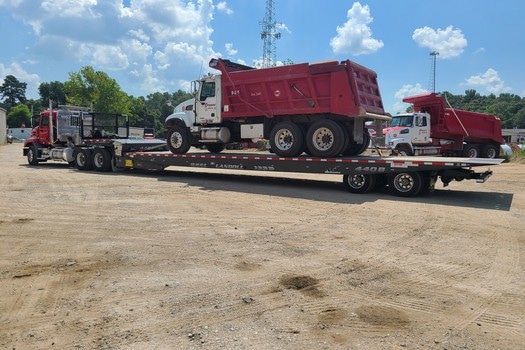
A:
{"x":269,"y":34}
{"x":434,"y":54}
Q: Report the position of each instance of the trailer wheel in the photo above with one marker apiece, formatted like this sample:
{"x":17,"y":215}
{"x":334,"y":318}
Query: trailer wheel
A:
{"x":287,"y":139}
{"x":82,"y":159}
{"x":101,"y":160}
{"x":490,"y":151}
{"x":215,"y":147}
{"x":32,"y":155}
{"x":325,"y":138}
{"x":178,"y":139}
{"x":471,"y":151}
{"x":359,"y":183}
{"x":407,"y":184}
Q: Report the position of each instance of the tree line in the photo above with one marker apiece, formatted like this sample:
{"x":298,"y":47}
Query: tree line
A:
{"x":88,"y":88}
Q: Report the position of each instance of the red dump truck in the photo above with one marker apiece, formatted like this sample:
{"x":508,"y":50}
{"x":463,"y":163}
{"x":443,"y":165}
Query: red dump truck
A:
{"x":435,"y":129}
{"x":318,"y":108}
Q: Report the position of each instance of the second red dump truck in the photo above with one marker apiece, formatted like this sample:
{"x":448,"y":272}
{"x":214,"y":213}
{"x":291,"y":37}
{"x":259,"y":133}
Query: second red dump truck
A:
{"x":435,"y":129}
{"x":318,"y":108}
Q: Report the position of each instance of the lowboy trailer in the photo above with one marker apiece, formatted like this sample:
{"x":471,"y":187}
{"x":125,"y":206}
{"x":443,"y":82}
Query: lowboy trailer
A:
{"x":405,"y":176}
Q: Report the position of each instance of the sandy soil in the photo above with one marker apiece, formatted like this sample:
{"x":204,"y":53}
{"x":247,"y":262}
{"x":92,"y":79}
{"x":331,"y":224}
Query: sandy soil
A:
{"x":183,"y":260}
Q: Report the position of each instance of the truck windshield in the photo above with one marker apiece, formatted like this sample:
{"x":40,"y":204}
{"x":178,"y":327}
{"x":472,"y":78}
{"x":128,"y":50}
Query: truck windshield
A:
{"x":401,"y":120}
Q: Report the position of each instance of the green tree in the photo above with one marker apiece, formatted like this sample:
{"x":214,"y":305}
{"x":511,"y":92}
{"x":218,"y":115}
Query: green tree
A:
{"x":18,"y":116}
{"x":95,"y":88}
{"x":13,"y":91}
{"x":54,"y":91}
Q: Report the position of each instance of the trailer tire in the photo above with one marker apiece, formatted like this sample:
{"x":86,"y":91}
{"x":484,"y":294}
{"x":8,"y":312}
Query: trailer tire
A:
{"x":325,"y":138}
{"x":359,"y":183}
{"x":102,"y":160}
{"x":287,"y":139}
{"x":179,"y":139}
{"x":82,"y":159}
{"x":408,"y":184}
{"x":490,"y":151}
{"x":471,"y":151}
{"x":32,"y":155}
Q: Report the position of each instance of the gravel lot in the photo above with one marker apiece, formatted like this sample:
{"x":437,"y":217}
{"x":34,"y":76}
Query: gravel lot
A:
{"x":193,"y":260}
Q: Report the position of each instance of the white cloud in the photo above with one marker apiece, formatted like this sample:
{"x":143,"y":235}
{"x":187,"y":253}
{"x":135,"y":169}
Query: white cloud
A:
{"x":222,"y":6}
{"x":449,"y":42}
{"x":230,"y":51}
{"x":404,"y":91}
{"x":32,"y":80}
{"x":156,"y":43}
{"x":355,"y":36}
{"x":489,"y":80}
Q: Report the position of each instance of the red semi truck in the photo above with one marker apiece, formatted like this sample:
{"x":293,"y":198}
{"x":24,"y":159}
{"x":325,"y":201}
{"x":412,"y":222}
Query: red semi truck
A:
{"x":435,"y":129}
{"x":318,"y":108}
{"x":82,"y":138}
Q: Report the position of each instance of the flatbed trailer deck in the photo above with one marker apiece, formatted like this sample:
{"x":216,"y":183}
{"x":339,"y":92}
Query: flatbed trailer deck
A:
{"x":405,"y":176}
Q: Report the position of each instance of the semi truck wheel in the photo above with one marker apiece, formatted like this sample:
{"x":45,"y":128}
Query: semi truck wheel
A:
{"x":325,"y":138}
{"x":490,"y":151}
{"x":404,"y":151}
{"x":287,"y":139}
{"x":407,"y":184}
{"x":178,"y":138}
{"x":101,"y":160}
{"x":471,"y":151}
{"x":359,"y":183}
{"x":32,"y":155}
{"x":82,"y":159}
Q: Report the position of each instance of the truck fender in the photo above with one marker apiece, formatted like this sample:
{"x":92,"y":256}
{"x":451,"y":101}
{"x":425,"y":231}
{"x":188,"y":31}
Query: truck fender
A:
{"x":181,"y":118}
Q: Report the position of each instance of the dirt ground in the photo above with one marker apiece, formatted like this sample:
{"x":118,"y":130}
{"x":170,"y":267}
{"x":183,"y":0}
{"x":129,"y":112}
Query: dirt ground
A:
{"x":187,"y":260}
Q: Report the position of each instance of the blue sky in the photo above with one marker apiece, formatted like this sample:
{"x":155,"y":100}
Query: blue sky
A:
{"x":161,"y":45}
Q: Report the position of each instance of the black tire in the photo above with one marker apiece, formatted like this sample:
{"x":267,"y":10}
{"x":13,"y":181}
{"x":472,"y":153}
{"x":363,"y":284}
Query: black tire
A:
{"x":178,"y":139}
{"x":101,"y":160}
{"x":325,"y":138}
{"x":490,"y":151}
{"x":83,"y":159}
{"x":359,"y":183}
{"x":32,"y":155}
{"x":215,"y":147}
{"x":404,"y":150}
{"x":407,"y":184}
{"x":355,"y":149}
{"x":287,"y":139}
{"x":471,"y":151}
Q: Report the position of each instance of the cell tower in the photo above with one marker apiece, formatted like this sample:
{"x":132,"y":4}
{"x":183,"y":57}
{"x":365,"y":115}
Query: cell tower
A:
{"x":269,"y":35}
{"x":432,"y":84}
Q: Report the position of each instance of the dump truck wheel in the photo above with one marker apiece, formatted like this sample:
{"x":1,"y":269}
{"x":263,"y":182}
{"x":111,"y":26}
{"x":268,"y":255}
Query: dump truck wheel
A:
{"x":407,"y":184}
{"x":355,"y":149}
{"x":82,"y":159}
{"x":471,"y":151}
{"x":490,"y":151}
{"x":359,"y":183}
{"x":215,"y":147}
{"x":32,"y":155}
{"x":101,"y":160}
{"x":178,"y":138}
{"x":404,"y":151}
{"x":287,"y":139}
{"x":325,"y":138}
